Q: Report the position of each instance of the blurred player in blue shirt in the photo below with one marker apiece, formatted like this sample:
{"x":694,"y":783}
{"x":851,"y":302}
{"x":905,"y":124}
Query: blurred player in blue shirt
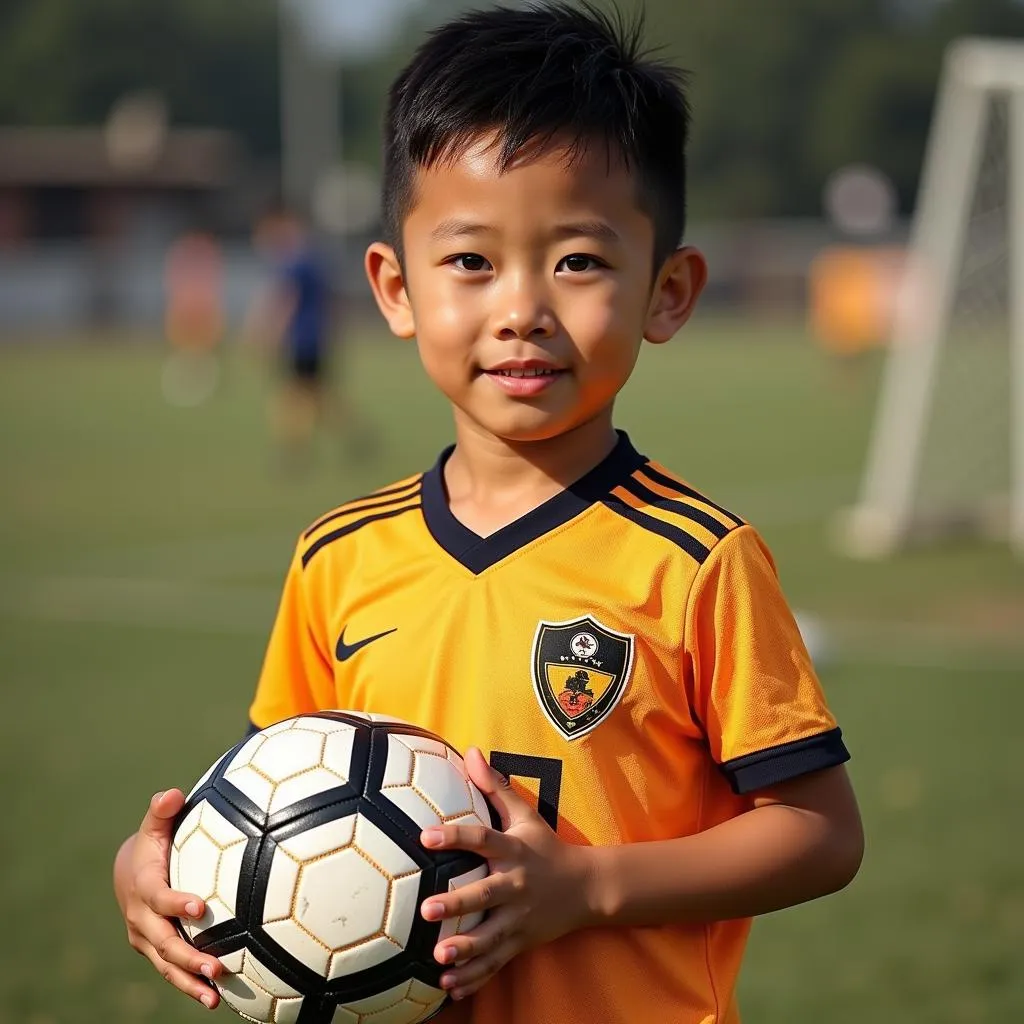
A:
{"x":297,"y":312}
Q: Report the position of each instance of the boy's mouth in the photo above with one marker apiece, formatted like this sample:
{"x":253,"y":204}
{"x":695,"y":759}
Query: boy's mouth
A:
{"x":524,"y":378}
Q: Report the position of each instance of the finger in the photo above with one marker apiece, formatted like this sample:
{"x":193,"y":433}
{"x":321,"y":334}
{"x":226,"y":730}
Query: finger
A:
{"x":169,"y":946}
{"x":158,"y":824}
{"x":183,"y":980}
{"x":152,"y":888}
{"x":488,"y":842}
{"x":465,"y":980}
{"x":474,"y":898}
{"x":479,"y":941}
{"x":511,"y":807}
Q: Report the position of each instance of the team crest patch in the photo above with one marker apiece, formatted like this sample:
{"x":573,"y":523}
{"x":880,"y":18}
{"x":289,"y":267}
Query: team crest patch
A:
{"x":580,"y":671}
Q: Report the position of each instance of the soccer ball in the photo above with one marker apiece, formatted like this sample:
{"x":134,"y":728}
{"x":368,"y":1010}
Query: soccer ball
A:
{"x":303,"y":840}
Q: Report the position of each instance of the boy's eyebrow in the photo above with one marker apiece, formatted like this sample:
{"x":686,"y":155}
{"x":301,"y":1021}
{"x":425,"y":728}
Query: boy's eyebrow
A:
{"x":598,"y":229}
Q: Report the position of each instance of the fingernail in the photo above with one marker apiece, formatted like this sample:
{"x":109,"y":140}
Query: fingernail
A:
{"x":207,"y":1000}
{"x":447,"y":980}
{"x":432,"y":911}
{"x":160,"y":794}
{"x":207,"y":970}
{"x":457,"y":994}
{"x":431,"y":837}
{"x":192,"y":909}
{"x":448,"y":954}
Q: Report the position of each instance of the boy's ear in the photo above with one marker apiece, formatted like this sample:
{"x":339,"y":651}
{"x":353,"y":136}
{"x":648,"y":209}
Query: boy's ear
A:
{"x":384,"y":271}
{"x":680,"y":282}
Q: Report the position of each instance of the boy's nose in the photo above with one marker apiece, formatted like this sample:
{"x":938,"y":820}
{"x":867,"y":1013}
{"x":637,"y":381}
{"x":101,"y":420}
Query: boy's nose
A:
{"x":522,"y":311}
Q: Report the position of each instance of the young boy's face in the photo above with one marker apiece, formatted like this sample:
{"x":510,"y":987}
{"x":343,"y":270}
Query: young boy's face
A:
{"x":529,"y":291}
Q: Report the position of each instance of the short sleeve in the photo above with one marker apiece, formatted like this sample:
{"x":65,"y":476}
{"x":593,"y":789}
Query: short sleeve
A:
{"x":297,"y":674}
{"x":754,"y":688}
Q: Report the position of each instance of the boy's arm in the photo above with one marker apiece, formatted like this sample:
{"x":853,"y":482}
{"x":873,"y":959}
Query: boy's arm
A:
{"x":802,"y":839}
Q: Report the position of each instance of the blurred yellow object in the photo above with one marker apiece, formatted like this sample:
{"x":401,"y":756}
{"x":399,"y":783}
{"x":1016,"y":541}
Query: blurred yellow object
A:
{"x":852,"y":296}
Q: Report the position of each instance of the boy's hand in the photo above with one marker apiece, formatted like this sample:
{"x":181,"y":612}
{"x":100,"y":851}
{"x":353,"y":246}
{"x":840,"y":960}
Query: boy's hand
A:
{"x":147,"y":901}
{"x":536,"y":890}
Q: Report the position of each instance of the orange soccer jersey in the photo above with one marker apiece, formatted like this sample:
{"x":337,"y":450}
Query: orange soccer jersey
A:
{"x":623,"y":652}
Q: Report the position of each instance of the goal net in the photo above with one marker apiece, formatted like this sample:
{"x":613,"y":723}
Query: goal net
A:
{"x":947,"y":449}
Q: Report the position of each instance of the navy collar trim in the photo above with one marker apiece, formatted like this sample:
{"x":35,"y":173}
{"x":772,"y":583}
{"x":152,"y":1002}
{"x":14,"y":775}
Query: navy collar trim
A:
{"x":478,"y":553}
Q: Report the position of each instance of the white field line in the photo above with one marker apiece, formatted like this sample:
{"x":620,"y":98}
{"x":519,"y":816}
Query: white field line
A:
{"x":190,"y":606}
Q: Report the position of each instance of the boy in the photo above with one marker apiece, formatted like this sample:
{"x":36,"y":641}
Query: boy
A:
{"x":600,"y":629}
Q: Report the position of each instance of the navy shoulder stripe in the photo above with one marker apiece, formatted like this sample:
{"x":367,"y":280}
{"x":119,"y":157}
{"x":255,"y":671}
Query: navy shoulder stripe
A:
{"x":696,"y":515}
{"x":689,"y":492}
{"x":353,"y":507}
{"x":678,"y":536}
{"x":344,"y":531}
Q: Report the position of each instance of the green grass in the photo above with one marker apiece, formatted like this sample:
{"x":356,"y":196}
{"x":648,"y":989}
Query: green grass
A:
{"x":141,"y":548}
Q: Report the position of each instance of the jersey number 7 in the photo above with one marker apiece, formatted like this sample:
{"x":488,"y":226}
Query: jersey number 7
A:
{"x":546,"y":770}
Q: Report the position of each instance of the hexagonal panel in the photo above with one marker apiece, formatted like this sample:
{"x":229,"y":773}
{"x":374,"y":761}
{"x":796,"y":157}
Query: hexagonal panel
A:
{"x":337,"y":756}
{"x":288,"y":753}
{"x":323,"y":839}
{"x":442,"y":784}
{"x":299,"y":787}
{"x":381,"y":849}
{"x":341,"y":899}
{"x":254,"y":991}
{"x":407,"y":1003}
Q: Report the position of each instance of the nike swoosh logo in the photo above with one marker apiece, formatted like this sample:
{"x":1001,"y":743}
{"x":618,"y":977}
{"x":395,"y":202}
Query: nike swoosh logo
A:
{"x":345,"y":651}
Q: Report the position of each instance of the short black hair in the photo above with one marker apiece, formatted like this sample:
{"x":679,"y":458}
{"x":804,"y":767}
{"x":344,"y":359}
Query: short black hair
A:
{"x":536,"y":74}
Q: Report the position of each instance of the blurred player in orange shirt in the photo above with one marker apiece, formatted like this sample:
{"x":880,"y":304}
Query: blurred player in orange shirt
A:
{"x":194,"y":318}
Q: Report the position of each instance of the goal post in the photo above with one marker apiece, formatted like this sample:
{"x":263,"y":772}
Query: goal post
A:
{"x":947,"y":445}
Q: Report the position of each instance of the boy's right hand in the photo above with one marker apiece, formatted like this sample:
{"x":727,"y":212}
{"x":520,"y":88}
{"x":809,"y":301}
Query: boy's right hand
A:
{"x":147,"y":902}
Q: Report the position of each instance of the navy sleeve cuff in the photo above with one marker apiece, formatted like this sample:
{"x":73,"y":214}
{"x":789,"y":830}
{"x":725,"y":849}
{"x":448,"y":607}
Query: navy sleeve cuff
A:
{"x":786,"y":761}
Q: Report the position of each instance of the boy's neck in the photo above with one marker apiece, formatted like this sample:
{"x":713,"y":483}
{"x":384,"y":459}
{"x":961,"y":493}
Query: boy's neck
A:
{"x":492,"y":482}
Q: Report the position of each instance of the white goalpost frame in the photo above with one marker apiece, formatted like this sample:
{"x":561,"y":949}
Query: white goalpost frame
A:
{"x":974,"y":71}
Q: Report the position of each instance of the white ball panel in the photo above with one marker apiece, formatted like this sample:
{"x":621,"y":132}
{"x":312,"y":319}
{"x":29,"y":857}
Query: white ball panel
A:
{"x":327,"y":726}
{"x":398,"y":770}
{"x":442,"y":784}
{"x":227,"y":875}
{"x":217,"y":827}
{"x":383,"y":851}
{"x":258,"y":789}
{"x":300,"y":944}
{"x":345,"y":1016}
{"x":421,"y":744}
{"x":188,"y":825}
{"x":284,"y":874}
{"x":386,"y":719}
{"x":361,"y":956}
{"x":289,"y":753}
{"x":337,"y":756}
{"x":403,"y":908}
{"x":309,"y":783}
{"x":323,"y":839}
{"x":402,"y":1004}
{"x":460,"y":925}
{"x":233,"y":961}
{"x":254,"y":991}
{"x":267,"y":980}
{"x":198,"y":860}
{"x":251,"y":745}
{"x":412,"y":804}
{"x":341,"y":899}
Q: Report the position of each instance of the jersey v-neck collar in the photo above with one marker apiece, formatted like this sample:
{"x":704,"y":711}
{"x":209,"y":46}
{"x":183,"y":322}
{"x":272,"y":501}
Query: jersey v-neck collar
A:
{"x":478,"y":553}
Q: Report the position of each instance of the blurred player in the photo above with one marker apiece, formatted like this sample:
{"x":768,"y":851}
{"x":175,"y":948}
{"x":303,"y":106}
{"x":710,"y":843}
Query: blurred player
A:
{"x":194,"y":318}
{"x":569,"y":612}
{"x":296,"y":315}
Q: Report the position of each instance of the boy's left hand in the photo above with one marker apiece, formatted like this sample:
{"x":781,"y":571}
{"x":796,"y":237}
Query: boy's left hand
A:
{"x":535,"y":892}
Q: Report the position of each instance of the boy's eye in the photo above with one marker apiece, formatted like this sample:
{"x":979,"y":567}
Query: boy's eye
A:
{"x":470,"y":261}
{"x":578,"y":263}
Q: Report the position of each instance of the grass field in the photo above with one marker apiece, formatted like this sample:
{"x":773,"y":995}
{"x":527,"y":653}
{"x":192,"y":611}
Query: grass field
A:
{"x":142,"y":546}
